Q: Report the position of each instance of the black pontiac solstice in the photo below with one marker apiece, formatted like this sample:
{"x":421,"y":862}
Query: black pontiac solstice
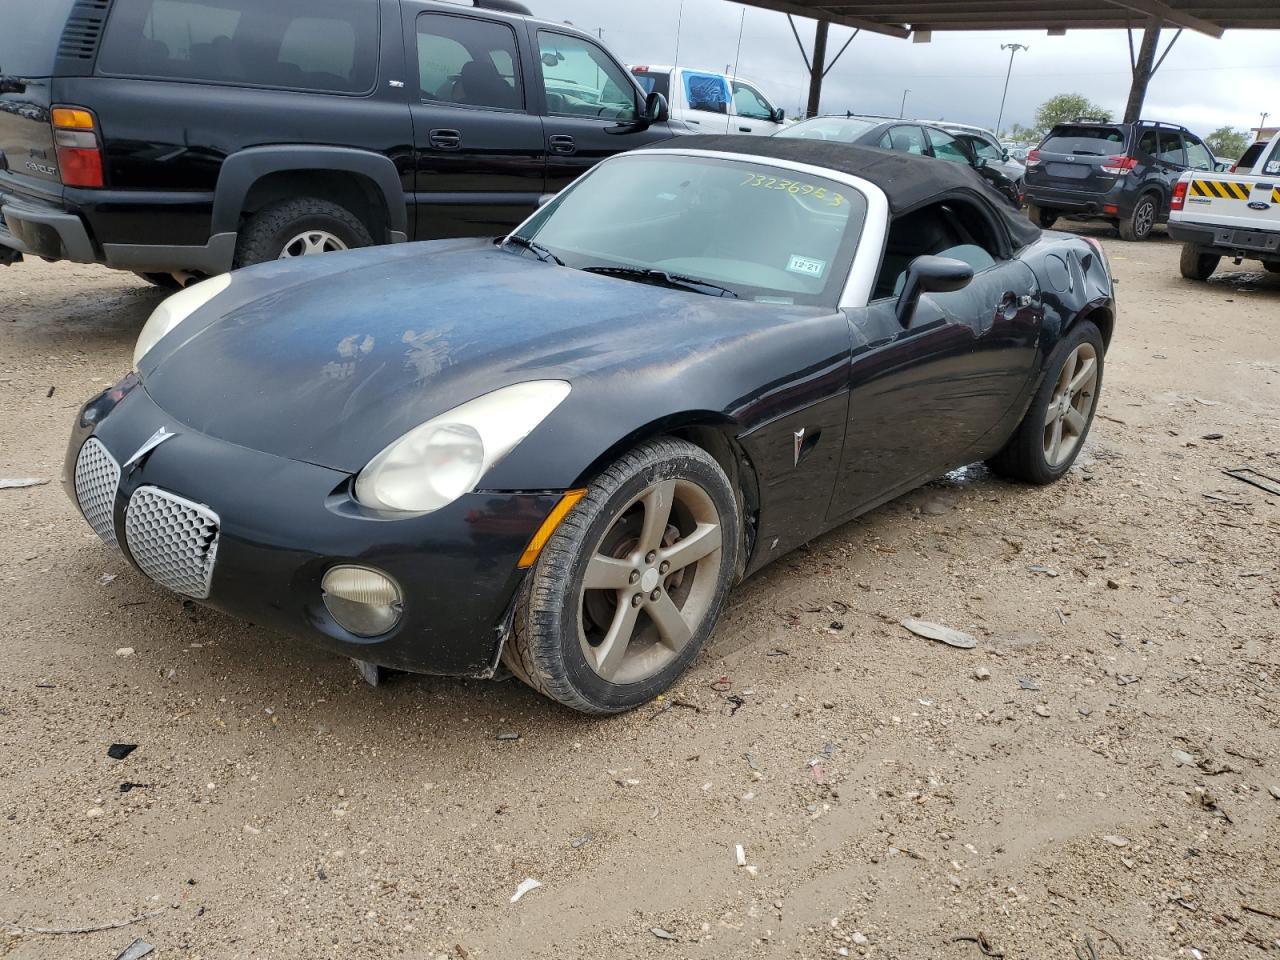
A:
{"x":557,"y":451}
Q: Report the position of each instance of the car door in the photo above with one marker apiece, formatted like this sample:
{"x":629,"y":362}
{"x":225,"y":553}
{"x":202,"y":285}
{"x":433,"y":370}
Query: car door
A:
{"x":923,"y":397}
{"x":707,"y":100}
{"x":905,"y":138}
{"x":479,"y":149}
{"x":1170,"y":163}
{"x":752,"y":113}
{"x":592,"y":106}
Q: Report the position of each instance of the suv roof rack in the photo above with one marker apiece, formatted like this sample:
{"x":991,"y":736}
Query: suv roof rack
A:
{"x":1092,"y":120}
{"x":1161,"y":123}
{"x":502,"y":6}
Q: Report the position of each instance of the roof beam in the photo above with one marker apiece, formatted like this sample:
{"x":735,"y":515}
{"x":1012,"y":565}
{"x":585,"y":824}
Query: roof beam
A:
{"x":818,"y":13}
{"x":1157,"y":8}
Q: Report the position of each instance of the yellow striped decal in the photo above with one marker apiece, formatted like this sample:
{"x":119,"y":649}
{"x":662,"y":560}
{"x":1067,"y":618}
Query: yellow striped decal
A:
{"x":1275,"y":195}
{"x":1220,"y":189}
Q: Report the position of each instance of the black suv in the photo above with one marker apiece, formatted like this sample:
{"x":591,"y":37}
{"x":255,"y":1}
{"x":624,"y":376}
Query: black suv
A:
{"x":1121,"y":172}
{"x":173,"y":137}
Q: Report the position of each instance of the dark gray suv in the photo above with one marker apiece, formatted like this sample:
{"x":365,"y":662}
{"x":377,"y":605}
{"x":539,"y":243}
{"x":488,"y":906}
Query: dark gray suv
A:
{"x":1121,"y":172}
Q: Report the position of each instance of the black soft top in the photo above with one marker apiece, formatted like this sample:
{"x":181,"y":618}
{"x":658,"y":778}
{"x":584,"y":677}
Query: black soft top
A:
{"x":908,"y":181}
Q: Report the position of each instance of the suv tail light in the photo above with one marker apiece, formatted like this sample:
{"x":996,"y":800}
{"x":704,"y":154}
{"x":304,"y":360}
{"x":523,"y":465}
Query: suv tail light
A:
{"x":75,"y":134}
{"x":1179,"y":198}
{"x":1033,"y":158}
{"x":639,"y":69}
{"x":1120,"y":166}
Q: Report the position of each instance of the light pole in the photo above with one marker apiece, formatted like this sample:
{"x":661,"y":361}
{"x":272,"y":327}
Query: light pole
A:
{"x":902,"y":111}
{"x":1013,"y":49}
{"x":1263,"y":124}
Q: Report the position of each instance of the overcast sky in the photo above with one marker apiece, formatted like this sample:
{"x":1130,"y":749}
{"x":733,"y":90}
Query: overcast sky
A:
{"x":1203,"y":84}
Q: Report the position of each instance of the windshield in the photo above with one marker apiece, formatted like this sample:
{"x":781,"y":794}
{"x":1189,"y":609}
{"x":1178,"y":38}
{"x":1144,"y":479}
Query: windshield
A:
{"x":840,"y":129}
{"x":758,"y":231}
{"x":1084,"y":141}
{"x":30,"y":35}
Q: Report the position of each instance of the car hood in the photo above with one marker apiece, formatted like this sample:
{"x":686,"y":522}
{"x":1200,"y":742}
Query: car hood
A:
{"x":329,"y":359}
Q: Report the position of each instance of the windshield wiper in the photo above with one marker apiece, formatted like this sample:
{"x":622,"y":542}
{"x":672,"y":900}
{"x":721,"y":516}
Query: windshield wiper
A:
{"x":663,"y":279}
{"x":541,"y":252}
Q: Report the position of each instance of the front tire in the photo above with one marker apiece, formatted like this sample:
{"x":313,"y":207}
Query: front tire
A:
{"x":631,"y":583}
{"x":1054,"y":429}
{"x":301,"y":227}
{"x":1196,"y":264}
{"x":1138,"y":225}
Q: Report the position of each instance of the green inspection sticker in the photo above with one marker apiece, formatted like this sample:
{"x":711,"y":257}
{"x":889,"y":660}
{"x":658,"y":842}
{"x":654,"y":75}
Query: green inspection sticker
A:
{"x":807,"y":266}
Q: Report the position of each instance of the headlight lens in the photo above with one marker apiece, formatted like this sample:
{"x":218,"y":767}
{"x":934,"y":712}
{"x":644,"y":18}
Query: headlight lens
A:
{"x":174,"y":310}
{"x":434,"y":464}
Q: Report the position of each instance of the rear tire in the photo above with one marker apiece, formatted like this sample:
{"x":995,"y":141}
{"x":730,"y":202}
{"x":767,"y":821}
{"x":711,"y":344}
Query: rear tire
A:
{"x":658,"y":533}
{"x":1196,"y":264}
{"x":1052,"y":433}
{"x":165,"y":281}
{"x":1271,"y":266}
{"x":303,"y":226}
{"x":1041,"y":216}
{"x":1138,"y":225}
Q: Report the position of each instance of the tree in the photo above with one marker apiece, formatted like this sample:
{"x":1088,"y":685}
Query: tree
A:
{"x":1064,"y":108}
{"x":1227,"y":143}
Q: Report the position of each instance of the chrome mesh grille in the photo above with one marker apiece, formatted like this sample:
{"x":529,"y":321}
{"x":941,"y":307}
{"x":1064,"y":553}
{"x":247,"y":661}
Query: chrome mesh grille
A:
{"x":97,"y":477}
{"x":173,"y":541}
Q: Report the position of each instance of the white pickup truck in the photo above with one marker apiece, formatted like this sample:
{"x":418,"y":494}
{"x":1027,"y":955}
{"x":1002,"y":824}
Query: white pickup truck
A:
{"x":1234,"y":215}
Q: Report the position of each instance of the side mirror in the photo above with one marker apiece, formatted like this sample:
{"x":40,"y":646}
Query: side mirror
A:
{"x":656,"y":109}
{"x":779,"y":116}
{"x":930,"y":274}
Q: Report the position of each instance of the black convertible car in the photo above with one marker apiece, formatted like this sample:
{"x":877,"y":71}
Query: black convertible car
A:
{"x":558,"y":450}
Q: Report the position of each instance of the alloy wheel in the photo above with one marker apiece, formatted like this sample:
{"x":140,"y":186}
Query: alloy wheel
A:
{"x":650,"y":581}
{"x":1071,"y":405}
{"x":312,"y":242}
{"x":1145,"y":218}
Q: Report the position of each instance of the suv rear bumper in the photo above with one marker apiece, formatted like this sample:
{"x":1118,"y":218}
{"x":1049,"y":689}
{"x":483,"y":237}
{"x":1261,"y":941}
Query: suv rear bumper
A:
{"x":51,"y":231}
{"x":44,"y":231}
{"x":1081,"y":202}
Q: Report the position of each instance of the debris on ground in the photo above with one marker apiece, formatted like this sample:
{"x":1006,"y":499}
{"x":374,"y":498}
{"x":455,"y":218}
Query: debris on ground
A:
{"x":124,"y":652}
{"x":1116,"y":841}
{"x":983,"y":944}
{"x":663,"y":934}
{"x":982,"y":673}
{"x":91,"y":928}
{"x":21,"y":483}
{"x":118,"y":751}
{"x":1184,"y":759}
{"x":583,"y":840}
{"x":508,"y":736}
{"x":525,"y":886}
{"x":936,"y":631}
{"x":135,"y":951}
{"x":1260,"y":480}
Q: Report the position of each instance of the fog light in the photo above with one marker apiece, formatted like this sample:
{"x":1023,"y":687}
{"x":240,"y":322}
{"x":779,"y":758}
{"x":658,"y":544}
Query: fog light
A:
{"x":364,"y":602}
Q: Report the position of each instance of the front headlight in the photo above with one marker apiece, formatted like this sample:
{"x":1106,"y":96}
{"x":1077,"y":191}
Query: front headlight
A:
{"x":445,"y":458}
{"x":174,"y":310}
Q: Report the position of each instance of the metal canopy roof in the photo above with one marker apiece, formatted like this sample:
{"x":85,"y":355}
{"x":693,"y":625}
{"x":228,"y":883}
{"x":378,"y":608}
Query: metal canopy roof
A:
{"x":901,"y":18}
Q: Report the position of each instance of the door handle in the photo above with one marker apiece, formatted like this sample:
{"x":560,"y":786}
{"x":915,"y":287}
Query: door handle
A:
{"x":744,"y":129}
{"x":445,"y":139}
{"x":562,"y":144}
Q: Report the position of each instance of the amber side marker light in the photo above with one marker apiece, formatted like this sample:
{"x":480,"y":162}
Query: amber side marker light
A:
{"x":532,"y":551}
{"x":75,"y":134}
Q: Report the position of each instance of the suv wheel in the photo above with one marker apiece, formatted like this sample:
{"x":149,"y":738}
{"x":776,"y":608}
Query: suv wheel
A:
{"x":1195,"y":264}
{"x":1041,"y":216}
{"x":301,"y":227}
{"x":1137,"y":226}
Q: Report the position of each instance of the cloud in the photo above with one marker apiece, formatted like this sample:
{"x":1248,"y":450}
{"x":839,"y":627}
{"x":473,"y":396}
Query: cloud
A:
{"x":1203,"y":84}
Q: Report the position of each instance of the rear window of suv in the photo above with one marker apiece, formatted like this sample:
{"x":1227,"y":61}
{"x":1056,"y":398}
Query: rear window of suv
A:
{"x":329,"y":45}
{"x":30,"y":35}
{"x":1085,"y":141}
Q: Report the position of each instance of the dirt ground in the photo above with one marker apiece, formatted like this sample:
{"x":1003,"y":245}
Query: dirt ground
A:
{"x":1111,"y":789}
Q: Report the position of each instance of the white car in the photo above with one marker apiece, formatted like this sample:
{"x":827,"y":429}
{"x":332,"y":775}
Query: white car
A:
{"x":712,"y":102}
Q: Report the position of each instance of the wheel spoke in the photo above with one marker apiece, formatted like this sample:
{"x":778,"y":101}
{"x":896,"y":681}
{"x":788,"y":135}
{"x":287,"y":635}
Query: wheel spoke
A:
{"x":672,"y":626}
{"x":704,"y":541}
{"x":1064,"y":377}
{"x":1083,"y":375}
{"x":1053,"y":414}
{"x":606,"y":573}
{"x":1055,"y":444}
{"x":613,"y":649}
{"x":1075,"y":421}
{"x":657,"y":512}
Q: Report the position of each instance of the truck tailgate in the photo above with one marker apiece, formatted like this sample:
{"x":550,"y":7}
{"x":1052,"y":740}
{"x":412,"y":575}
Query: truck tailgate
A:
{"x":1234,"y":200}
